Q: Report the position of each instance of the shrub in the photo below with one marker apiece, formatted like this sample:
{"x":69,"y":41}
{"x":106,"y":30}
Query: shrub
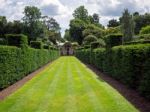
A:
{"x":130,"y":64}
{"x":93,"y":30}
{"x":113,"y":40}
{"x":95,"y":45}
{"x":36,"y":44}
{"x":51,"y":47}
{"x":15,"y":63}
{"x":87,"y":46}
{"x":18,"y":40}
{"x":144,"y":36}
{"x":141,"y":41}
{"x":145,"y":30}
{"x":46,"y":46}
{"x":88,"y":39}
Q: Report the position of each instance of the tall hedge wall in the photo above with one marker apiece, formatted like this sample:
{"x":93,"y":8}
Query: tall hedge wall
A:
{"x":15,"y":62}
{"x":130,"y":64}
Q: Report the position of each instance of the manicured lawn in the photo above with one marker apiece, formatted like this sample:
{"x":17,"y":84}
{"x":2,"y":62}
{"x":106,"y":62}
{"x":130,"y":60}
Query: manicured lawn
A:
{"x":66,"y":85}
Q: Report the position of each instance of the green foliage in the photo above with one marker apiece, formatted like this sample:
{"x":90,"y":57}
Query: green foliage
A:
{"x":98,"y":43}
{"x":75,"y":45}
{"x":141,"y":41}
{"x":145,"y":30}
{"x":129,"y":64}
{"x":127,"y":25}
{"x":3,"y":40}
{"x":46,"y":46}
{"x":113,"y":40}
{"x":3,"y":23}
{"x":81,"y":13}
{"x":33,"y":27}
{"x":18,"y":40}
{"x":91,"y":29}
{"x":67,"y":35}
{"x":95,"y":45}
{"x":76,"y":28}
{"x":144,"y":36}
{"x":113,"y":23}
{"x":88,"y":39}
{"x":87,"y":46}
{"x":15,"y":63}
{"x":141,"y":21}
{"x":36,"y":44}
{"x":112,"y":30}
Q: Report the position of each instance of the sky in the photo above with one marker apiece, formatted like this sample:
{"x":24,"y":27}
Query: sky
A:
{"x":62,"y":10}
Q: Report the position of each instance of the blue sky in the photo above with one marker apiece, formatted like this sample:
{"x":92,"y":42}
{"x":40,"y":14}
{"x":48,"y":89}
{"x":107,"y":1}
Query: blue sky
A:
{"x":62,"y":10}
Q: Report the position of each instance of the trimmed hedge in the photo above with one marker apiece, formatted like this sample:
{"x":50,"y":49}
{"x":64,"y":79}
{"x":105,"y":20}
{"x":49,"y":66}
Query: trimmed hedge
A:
{"x":36,"y":44}
{"x":18,"y":40}
{"x":138,"y":42}
{"x":130,"y":64}
{"x":46,"y":46}
{"x":113,"y":40}
{"x":15,"y":63}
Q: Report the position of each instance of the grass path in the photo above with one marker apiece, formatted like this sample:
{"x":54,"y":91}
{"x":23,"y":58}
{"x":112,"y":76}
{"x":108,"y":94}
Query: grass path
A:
{"x":66,"y":85}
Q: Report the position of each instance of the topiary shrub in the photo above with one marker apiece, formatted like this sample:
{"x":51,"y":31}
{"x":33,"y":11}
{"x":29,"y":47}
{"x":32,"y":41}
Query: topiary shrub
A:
{"x":36,"y":44}
{"x":145,"y":30}
{"x":46,"y":46}
{"x":144,"y":36}
{"x":113,"y":40}
{"x":86,"y":46}
{"x":141,"y":41}
{"x":18,"y":40}
{"x":88,"y":39}
{"x":95,"y":45}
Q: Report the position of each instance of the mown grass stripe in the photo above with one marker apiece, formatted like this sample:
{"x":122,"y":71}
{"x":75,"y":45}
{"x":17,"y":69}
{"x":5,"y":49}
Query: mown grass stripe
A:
{"x":88,"y":89}
{"x":71,"y":93}
{"x":45,"y":102}
{"x":58,"y":101}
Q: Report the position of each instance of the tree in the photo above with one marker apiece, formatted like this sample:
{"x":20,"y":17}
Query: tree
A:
{"x":76,"y":28}
{"x":127,"y":25}
{"x":52,"y":30}
{"x":96,"y":18}
{"x":32,"y":24}
{"x":141,"y":21}
{"x":67,"y":35}
{"x":113,"y":23}
{"x":3,"y":23}
{"x":81,"y":13}
{"x":51,"y":24}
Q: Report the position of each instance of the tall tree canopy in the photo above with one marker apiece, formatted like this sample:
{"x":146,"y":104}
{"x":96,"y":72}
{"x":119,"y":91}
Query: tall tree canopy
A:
{"x":141,"y":21}
{"x":81,"y":13}
{"x":3,"y":23}
{"x":67,"y":35}
{"x":127,"y":24}
{"x":76,"y":28}
{"x":113,"y":23}
{"x":32,"y":24}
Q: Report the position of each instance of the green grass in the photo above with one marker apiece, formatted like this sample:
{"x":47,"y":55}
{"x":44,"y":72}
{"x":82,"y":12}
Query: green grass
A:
{"x":66,"y":85}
